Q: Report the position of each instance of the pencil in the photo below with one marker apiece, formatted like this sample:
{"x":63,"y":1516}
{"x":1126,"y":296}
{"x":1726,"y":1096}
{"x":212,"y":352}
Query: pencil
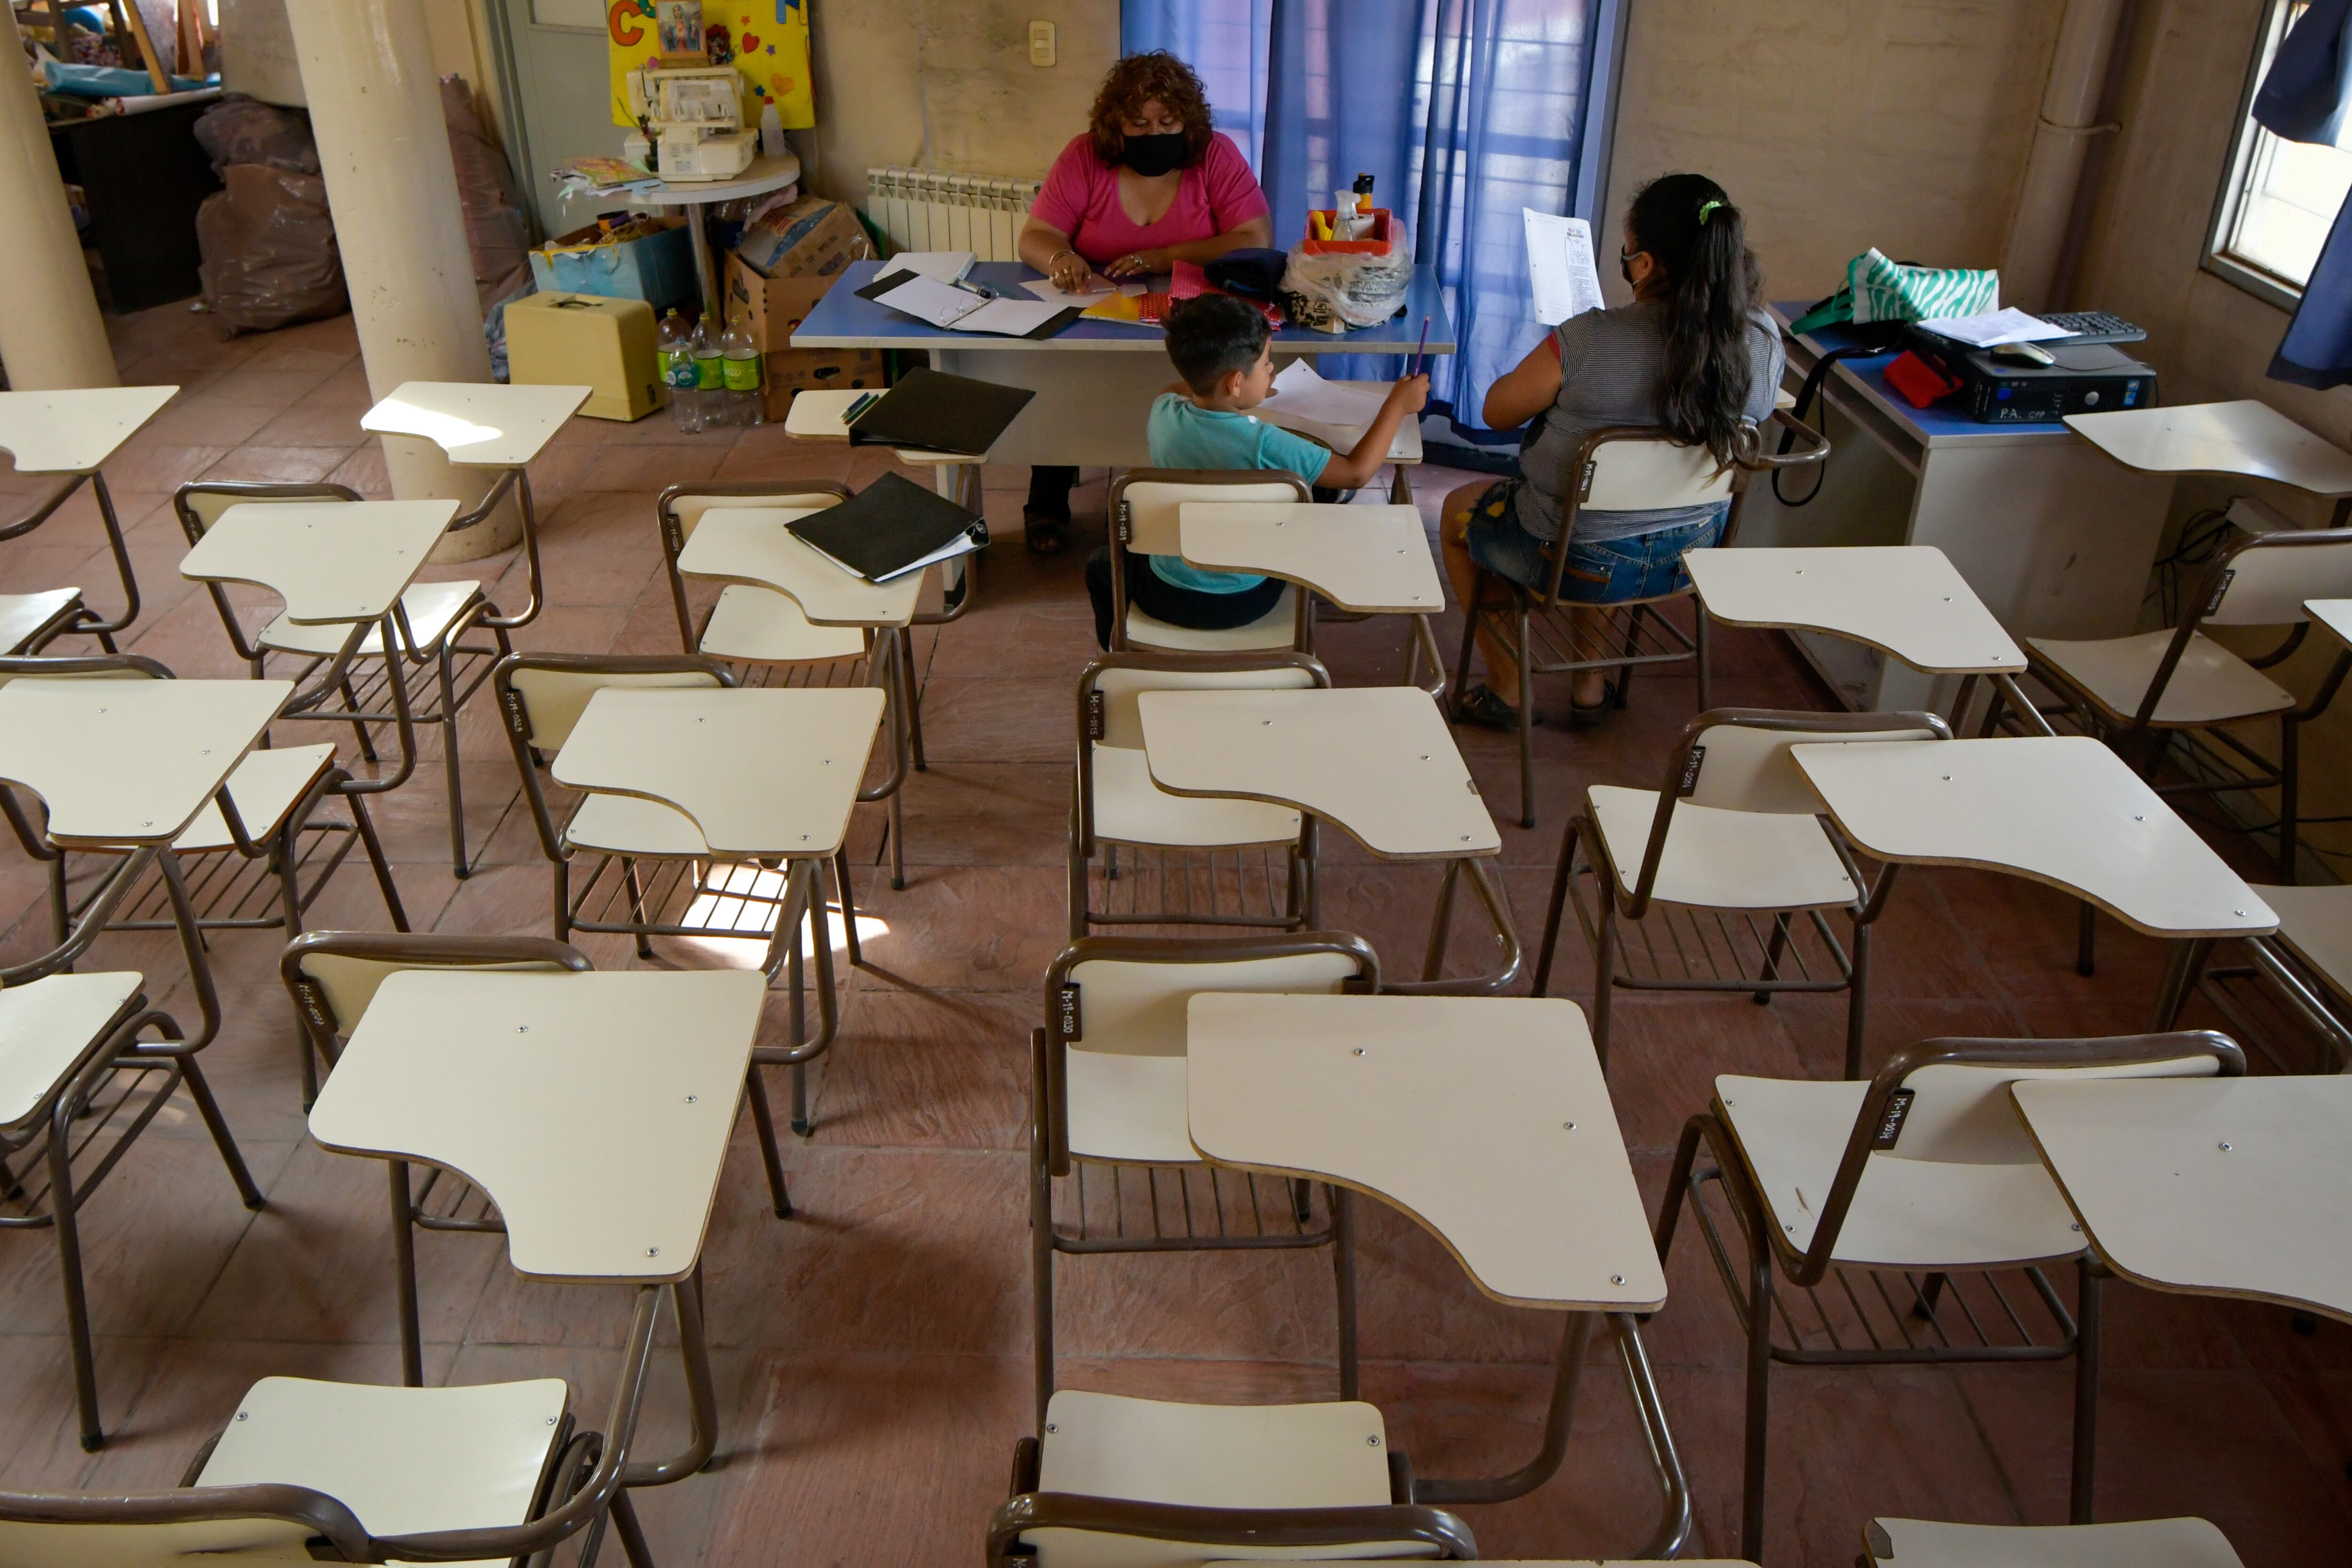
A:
{"x":1420,"y":354}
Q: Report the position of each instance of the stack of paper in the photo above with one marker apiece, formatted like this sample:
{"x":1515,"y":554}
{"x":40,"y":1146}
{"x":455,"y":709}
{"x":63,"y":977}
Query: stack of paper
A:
{"x":1335,"y":415}
{"x":946,"y":266}
{"x":600,"y":176}
{"x":1097,"y":287}
{"x":1988,"y":329}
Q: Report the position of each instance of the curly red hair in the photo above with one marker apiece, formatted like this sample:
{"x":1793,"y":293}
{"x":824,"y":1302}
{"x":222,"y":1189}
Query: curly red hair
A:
{"x":1136,"y":80}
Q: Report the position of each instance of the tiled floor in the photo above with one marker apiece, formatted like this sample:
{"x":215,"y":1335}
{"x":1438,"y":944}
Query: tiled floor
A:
{"x":874,"y":1351}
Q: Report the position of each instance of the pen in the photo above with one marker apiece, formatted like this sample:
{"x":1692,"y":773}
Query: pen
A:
{"x":1420,"y":354}
{"x":860,"y":407}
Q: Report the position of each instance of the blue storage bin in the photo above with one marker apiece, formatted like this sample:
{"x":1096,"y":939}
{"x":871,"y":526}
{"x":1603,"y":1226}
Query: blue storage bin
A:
{"x":657,"y":268}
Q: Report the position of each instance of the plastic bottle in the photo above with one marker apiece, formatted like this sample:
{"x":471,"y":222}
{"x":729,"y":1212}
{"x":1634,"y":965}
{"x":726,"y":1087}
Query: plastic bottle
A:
{"x":709,"y":376}
{"x":741,"y":368}
{"x":676,"y":346}
{"x":771,"y":131}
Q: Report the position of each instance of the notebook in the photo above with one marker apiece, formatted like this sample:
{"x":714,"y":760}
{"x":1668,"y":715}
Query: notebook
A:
{"x":962,"y":308}
{"x":935,"y":411}
{"x":892,"y":527}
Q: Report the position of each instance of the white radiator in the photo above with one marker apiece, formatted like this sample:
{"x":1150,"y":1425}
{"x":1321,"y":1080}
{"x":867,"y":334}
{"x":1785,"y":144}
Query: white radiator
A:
{"x":921,"y":210}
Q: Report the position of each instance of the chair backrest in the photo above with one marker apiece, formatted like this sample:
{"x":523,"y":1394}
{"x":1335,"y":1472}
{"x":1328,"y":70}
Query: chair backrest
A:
{"x":200,"y":503}
{"x":1643,"y":472}
{"x":681,"y":506}
{"x":333,"y":975}
{"x":549,"y":698}
{"x":1960,"y":1113}
{"x":1112,"y":719}
{"x":1746,"y":765}
{"x":1127,"y":996}
{"x":1145,"y":504}
{"x":2264,"y":581}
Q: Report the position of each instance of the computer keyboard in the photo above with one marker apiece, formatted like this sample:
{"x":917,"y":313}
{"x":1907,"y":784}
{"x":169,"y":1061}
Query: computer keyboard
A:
{"x":2092,"y":327}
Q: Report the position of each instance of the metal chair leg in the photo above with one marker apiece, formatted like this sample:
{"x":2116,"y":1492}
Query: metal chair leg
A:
{"x":2086,"y":1390}
{"x":1526,"y":718}
{"x":2085,"y":937}
{"x":1559,"y":881}
{"x":376,"y":862}
{"x":763,"y":1121}
{"x":914,"y":698}
{"x":449,"y":759}
{"x":1759,"y":1389}
{"x":67,"y":1223}
{"x":217,"y":1125}
{"x":404,"y":1262}
{"x":1604,"y":974}
{"x":1343,"y":1264}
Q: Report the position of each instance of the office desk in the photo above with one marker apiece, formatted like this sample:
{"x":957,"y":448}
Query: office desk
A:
{"x":2053,"y":536}
{"x":1096,"y":380}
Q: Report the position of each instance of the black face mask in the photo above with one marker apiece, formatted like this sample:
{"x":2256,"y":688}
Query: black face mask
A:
{"x":1625,"y":266}
{"x":1154,"y":155}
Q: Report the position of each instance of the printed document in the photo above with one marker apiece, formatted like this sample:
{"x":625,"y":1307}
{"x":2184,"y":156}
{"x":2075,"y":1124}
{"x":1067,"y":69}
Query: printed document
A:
{"x":1560,"y":267}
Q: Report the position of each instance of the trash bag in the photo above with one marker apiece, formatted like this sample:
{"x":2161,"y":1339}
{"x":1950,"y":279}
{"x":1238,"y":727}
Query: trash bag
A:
{"x":496,"y":231}
{"x":245,"y":131}
{"x":1336,"y":294}
{"x":269,"y":255}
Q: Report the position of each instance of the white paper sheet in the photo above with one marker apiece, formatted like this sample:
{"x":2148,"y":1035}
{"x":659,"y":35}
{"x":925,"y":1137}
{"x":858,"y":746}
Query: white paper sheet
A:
{"x":1099,"y":287}
{"x":2007,"y":325}
{"x":1334,"y":415}
{"x":1560,"y":267}
{"x":946,"y":266}
{"x":961,"y":310}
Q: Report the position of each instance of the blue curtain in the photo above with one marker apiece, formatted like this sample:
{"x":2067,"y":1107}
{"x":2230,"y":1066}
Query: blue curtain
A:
{"x":1463,"y":111}
{"x":2304,"y":98}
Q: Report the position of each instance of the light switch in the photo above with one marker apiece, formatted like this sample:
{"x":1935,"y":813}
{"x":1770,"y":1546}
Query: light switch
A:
{"x":1041,"y":43}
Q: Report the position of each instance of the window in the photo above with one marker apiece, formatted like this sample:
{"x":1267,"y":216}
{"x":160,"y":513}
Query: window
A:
{"x":2281,"y":197}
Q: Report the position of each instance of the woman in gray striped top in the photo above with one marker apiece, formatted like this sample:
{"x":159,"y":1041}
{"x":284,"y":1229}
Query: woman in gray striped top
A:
{"x":1692,"y":353}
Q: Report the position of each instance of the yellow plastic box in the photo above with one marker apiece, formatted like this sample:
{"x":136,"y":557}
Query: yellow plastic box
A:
{"x":575,"y":339}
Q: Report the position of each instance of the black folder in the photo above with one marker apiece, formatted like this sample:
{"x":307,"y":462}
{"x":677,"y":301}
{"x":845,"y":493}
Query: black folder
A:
{"x":937,"y":412}
{"x":891,"y":528}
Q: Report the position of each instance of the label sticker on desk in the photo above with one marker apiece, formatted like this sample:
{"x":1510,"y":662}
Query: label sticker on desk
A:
{"x":1890,"y":1121}
{"x":1093,"y":715}
{"x":1067,"y":1017}
{"x":2220,"y":589}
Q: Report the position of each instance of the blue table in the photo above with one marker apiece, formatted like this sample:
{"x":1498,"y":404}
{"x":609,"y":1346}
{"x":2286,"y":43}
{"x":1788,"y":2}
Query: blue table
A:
{"x":2054,"y":538}
{"x":1095,"y":381}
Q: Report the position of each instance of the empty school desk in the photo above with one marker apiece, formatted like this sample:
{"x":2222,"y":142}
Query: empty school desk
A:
{"x":2055,"y":539}
{"x":2246,"y":439}
{"x":2229,"y":1186}
{"x":1095,"y":381}
{"x":1366,"y":560}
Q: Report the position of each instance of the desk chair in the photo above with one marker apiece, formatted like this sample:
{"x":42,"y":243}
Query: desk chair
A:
{"x":275,"y":838}
{"x":1144,"y":507}
{"x":1116,"y":806}
{"x":2139,"y":693}
{"x":1621,"y":468}
{"x":1107,"y":1091}
{"x":768,"y":640}
{"x":543,"y":696}
{"x":73,"y":1069}
{"x":2141,"y":1544}
{"x":30,"y":622}
{"x":1733,"y":830}
{"x":1145,"y":1483}
{"x":71,"y":434}
{"x":433,"y":617}
{"x":333,"y":976}
{"x":340,"y":1472}
{"x":1907,"y":1193}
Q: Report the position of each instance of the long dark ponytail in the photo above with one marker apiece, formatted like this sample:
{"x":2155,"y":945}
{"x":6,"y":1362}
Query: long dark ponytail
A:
{"x":1689,"y":227}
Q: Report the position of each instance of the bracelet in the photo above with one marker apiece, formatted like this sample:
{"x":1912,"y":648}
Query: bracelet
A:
{"x":1057,"y":256}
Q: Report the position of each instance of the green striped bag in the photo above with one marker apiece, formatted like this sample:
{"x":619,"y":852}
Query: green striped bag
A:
{"x":1878,"y":290}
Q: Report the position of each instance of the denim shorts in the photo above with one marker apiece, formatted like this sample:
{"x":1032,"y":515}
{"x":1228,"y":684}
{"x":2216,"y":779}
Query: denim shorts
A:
{"x":1597,"y":571}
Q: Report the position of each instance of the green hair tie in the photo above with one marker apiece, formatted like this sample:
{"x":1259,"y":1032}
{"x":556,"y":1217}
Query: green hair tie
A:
{"x":1706,"y":207}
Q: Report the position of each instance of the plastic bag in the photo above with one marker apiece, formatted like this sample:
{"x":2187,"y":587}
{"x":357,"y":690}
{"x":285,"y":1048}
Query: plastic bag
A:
{"x":269,"y":255}
{"x":1878,"y":290}
{"x":1335,"y":293}
{"x":496,"y":232}
{"x":245,"y":131}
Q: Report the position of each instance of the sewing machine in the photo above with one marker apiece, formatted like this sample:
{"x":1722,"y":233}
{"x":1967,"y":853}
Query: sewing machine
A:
{"x":693,"y":118}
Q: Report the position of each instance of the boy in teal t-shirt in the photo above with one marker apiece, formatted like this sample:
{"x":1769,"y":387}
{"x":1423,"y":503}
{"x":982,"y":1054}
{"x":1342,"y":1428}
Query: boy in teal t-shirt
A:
{"x":1219,"y":346}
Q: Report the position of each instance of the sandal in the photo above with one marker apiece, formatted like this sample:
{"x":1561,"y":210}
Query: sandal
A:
{"x":1485,"y":708}
{"x":1047,"y":534}
{"x":1583,"y":716}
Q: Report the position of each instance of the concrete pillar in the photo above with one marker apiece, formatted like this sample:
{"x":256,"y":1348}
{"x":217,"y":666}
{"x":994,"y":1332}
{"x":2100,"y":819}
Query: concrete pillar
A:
{"x":375,"y":107}
{"x":50,"y":336}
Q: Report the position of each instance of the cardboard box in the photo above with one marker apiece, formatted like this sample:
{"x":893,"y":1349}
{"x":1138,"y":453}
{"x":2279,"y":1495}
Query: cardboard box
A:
{"x":797,"y":370}
{"x":576,"y":339}
{"x":770,"y":306}
{"x":812,"y":239}
{"x":657,"y":268}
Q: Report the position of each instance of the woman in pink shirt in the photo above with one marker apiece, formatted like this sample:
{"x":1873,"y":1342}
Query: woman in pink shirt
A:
{"x":1149,"y":185}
